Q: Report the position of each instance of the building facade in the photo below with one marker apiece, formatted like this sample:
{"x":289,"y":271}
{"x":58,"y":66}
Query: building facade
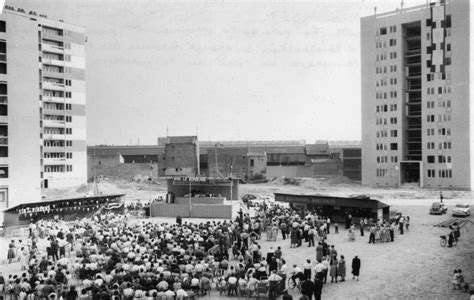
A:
{"x":181,"y":157}
{"x":417,"y":124}
{"x":42,"y":106}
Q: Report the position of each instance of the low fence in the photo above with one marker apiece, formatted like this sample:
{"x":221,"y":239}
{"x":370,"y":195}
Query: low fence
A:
{"x":193,"y":211}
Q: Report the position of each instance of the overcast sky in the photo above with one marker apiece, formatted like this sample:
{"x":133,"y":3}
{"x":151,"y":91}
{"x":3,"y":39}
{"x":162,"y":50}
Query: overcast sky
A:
{"x":233,"y":70}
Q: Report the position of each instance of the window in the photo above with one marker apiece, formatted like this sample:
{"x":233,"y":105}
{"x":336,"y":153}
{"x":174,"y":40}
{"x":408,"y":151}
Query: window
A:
{"x":3,"y":172}
{"x":448,"y":21}
{"x":393,"y":133}
{"x":3,"y":68}
{"x":430,"y":159}
{"x":393,"y":146}
{"x":3,"y":26}
{"x":431,"y":173}
{"x":383,"y":31}
{"x":252,"y":162}
{"x":428,"y":22}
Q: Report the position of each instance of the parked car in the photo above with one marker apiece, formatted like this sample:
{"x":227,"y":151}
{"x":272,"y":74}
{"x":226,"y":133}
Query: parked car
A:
{"x":247,"y":197}
{"x":462,"y":210}
{"x":438,"y":208}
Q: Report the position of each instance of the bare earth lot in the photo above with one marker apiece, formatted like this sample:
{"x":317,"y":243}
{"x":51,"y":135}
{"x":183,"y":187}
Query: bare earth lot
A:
{"x":412,"y":267}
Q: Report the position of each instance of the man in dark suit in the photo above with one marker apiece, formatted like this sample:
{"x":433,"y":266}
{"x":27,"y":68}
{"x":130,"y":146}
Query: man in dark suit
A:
{"x":317,"y":288}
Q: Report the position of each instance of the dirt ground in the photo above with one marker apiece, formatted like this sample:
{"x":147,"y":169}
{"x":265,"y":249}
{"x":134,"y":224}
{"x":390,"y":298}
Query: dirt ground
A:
{"x":415,"y":266}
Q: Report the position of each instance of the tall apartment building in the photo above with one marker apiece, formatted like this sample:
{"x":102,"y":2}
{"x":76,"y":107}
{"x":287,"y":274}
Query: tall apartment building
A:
{"x":42,"y":106}
{"x":417,"y":115}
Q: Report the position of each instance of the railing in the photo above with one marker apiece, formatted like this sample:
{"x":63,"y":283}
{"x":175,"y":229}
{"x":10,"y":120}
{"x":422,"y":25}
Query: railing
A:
{"x":49,"y":47}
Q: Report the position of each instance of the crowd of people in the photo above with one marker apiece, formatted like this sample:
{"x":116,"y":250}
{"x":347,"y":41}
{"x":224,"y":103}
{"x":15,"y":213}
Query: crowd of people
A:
{"x":109,"y":256}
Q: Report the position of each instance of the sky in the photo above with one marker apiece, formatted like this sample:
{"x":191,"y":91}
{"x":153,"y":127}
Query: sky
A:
{"x":225,"y":70}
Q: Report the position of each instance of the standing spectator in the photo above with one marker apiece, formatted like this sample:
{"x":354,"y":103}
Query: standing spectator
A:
{"x":361,"y":223}
{"x":333,"y":252}
{"x":336,"y":228}
{"x":328,"y":224}
{"x":392,"y":231}
{"x":441,"y":196}
{"x":318,"y":288}
{"x":401,"y":223}
{"x":11,"y":251}
{"x":307,"y":269}
{"x":311,"y":234}
{"x":24,"y":258}
{"x":307,"y":288}
{"x":372,"y":234}
{"x":319,"y":252}
{"x":407,"y":222}
{"x":325,"y":262}
{"x":319,"y":269}
{"x":355,"y":268}
{"x":333,"y":270}
{"x":451,"y":236}
{"x":273,"y":285}
{"x":284,"y":229}
{"x":341,"y":268}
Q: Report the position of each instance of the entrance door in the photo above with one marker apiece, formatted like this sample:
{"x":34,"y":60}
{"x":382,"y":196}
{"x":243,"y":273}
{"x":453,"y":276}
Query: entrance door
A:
{"x":410,"y":172}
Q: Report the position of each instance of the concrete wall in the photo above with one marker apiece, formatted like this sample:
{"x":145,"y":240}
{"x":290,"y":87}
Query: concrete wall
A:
{"x":227,"y":157}
{"x":327,"y":168}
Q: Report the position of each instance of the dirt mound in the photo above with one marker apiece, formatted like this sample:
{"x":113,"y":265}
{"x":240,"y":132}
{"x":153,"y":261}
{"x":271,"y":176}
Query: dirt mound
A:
{"x":85,"y":188}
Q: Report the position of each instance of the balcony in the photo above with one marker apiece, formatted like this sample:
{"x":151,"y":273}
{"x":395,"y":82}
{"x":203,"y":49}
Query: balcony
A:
{"x":51,"y":61}
{"x":54,"y":74}
{"x":54,"y":112}
{"x":56,"y":137}
{"x":49,"y":35}
{"x":52,"y":48}
{"x":53,"y":123}
{"x":54,"y":161}
{"x":53,"y":99}
{"x":53,"y":86}
{"x":54,"y":149}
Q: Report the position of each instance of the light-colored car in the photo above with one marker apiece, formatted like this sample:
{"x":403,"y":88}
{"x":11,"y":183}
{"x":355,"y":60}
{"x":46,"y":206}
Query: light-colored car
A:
{"x":267,"y":199}
{"x":463,"y":210}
